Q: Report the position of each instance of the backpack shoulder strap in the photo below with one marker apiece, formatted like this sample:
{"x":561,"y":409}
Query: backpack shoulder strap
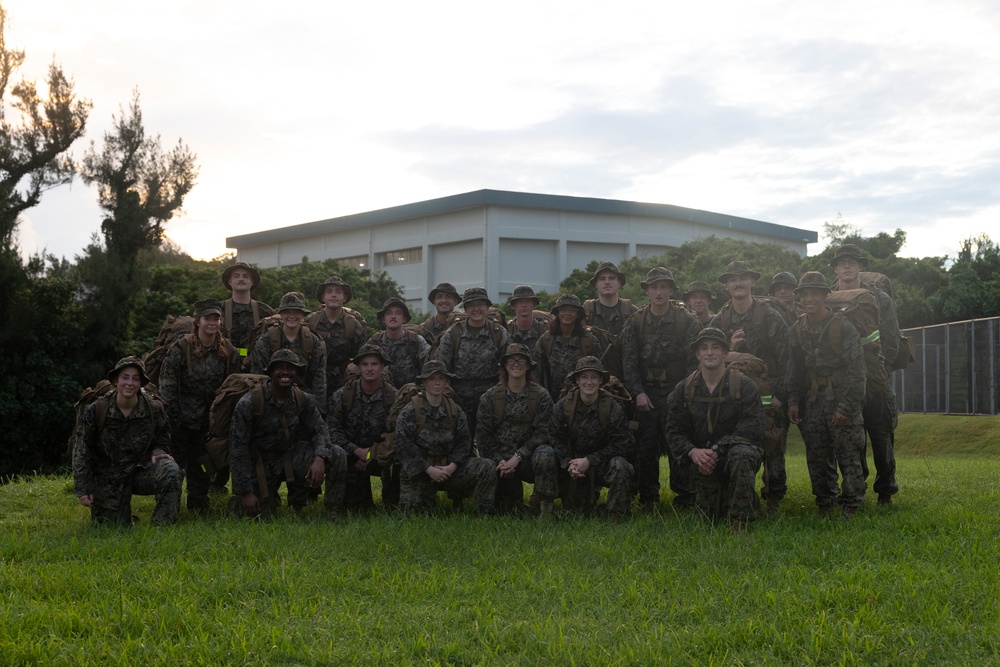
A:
{"x":300,"y":400}
{"x":759,"y":306}
{"x":587,"y":343}
{"x":456,"y":341}
{"x":546,"y":341}
{"x":533,"y":389}
{"x":689,"y":387}
{"x":499,"y":401}
{"x":418,"y":409}
{"x":589,"y":308}
{"x":452,"y":413}
{"x":604,"y":410}
{"x":254,"y":307}
{"x":735,"y":384}
{"x":623,"y":308}
{"x":496,"y":333}
{"x":273,"y":339}
{"x":569,"y":408}
{"x":257,"y":397}
{"x":101,"y":412}
{"x":307,"y":342}
{"x":227,"y":314}
{"x":347,"y":397}
{"x":313,"y":321}
{"x":640,"y":323}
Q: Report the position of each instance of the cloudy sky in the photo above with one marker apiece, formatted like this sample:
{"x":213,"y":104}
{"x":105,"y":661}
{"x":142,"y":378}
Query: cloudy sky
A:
{"x":885,"y":113}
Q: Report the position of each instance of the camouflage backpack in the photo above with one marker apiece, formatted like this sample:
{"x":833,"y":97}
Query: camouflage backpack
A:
{"x":271,"y":327}
{"x":349,"y":334}
{"x":904,"y":355}
{"x":173,"y":329}
{"x":754,"y":368}
{"x":385,"y":450}
{"x":860,"y":307}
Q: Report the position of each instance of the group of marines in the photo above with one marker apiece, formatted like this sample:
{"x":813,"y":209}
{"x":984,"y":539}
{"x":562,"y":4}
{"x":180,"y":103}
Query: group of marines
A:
{"x":586,"y":396}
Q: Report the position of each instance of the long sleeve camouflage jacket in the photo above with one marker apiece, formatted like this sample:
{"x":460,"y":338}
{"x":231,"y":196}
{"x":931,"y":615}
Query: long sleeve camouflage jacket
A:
{"x":688,"y":424}
{"x":515,"y":430}
{"x":529,"y":338}
{"x":813,"y":357}
{"x":342,"y":338}
{"x":239,"y":333}
{"x":768,"y":340}
{"x":437,"y":443}
{"x":102,"y":457}
{"x":406,"y":355}
{"x":189,"y":390}
{"x":362,"y":425}
{"x":315,"y":377}
{"x":268,"y":435}
{"x":585,"y":437}
{"x":663,"y":357}
{"x":556,"y":357}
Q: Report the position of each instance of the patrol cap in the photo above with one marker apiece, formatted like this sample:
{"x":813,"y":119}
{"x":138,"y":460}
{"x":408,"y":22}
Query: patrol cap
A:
{"x":284,"y":356}
{"x":738,"y":268}
{"x":711,"y":333}
{"x":698,"y":286}
{"x":338,"y":281}
{"x":569,"y":300}
{"x":254,"y":274}
{"x":370,"y":350}
{"x":523,"y":292}
{"x":124,"y":362}
{"x":591,"y":363}
{"x":658,"y":274}
{"x":813,"y":280}
{"x":607,"y":266}
{"x":293,"y":301}
{"x":852,"y":251}
{"x":476,"y":294}
{"x":207,"y":307}
{"x":393,"y":301}
{"x":517,"y":350}
{"x":782,"y":278}
{"x":434,"y":366}
{"x":444,"y":288}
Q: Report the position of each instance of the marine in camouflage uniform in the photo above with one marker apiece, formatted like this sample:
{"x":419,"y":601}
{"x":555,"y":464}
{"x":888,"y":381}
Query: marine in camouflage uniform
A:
{"x":699,"y":299}
{"x":759,"y":330}
{"x":405,"y":350}
{"x":313,"y":378}
{"x":826,"y":392}
{"x":342,"y":334}
{"x":880,"y":404}
{"x":583,"y":437}
{"x":474,"y":361}
{"x":611,"y":318}
{"x":656,"y":355}
{"x":523,"y":301}
{"x":192,"y":372}
{"x":436,"y":324}
{"x":720,"y":431}
{"x":567,"y":340}
{"x":517,"y":438}
{"x":438,"y":457}
{"x":126,"y":455}
{"x":286,"y":441}
{"x":238,"y":317}
{"x":356,"y":418}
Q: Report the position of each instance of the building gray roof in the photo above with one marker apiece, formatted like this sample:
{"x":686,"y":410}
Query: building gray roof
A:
{"x":506,"y":198}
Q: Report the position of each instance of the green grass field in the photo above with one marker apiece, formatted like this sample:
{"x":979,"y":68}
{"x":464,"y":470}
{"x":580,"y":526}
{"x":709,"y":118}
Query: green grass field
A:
{"x":917,"y":583}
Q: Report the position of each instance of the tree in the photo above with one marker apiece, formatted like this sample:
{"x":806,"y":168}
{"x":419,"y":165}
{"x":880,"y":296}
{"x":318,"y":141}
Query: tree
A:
{"x":141,"y":188}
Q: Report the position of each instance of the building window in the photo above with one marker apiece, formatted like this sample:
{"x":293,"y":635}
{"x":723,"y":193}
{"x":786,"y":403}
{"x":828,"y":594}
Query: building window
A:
{"x":408,"y":256}
{"x":358,"y":262}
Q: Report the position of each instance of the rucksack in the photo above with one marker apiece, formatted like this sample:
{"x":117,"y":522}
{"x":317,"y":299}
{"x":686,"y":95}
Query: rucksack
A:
{"x":904,"y":354}
{"x":587,"y":342}
{"x":349,"y":332}
{"x":788,"y":314}
{"x":680,"y":361}
{"x":227,"y":313}
{"x":860,"y":307}
{"x":173,"y":329}
{"x":754,"y":368}
{"x":100,"y":394}
{"x":271,"y":327}
{"x":385,"y":450}
{"x":500,"y":400}
{"x":590,"y":308}
{"x":613,"y":390}
{"x":455,"y":331}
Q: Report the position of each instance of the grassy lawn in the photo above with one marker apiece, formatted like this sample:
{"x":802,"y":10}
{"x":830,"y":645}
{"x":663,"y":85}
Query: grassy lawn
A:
{"x":917,"y":583}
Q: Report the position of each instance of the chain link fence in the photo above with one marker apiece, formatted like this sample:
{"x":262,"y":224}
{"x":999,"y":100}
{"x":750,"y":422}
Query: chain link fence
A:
{"x":955,"y":371}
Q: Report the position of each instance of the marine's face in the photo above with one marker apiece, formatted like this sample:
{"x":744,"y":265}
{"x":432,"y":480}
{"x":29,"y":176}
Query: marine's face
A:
{"x":517,"y":366}
{"x":129,"y":381}
{"x":813,"y":300}
{"x":370,"y":368}
{"x":589,"y":383}
{"x":699,"y":302}
{"x":567,"y":315}
{"x":240,"y":280}
{"x":607,"y":283}
{"x":291,"y":318}
{"x":283,"y":374}
{"x":476,"y":311}
{"x":523,"y":307}
{"x":445,"y":303}
{"x":210,"y":323}
{"x":659,"y":293}
{"x":847,"y":269}
{"x":740,"y":286}
{"x":436,"y":384}
{"x":784,"y":292}
{"x":334,"y":296}
{"x":394,"y":317}
{"x":711,"y":354}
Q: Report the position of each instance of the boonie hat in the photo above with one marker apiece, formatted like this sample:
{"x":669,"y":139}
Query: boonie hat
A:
{"x":476,"y":294}
{"x":445,"y":288}
{"x":782,"y":278}
{"x":334,"y":280}
{"x":569,"y":300}
{"x":590,"y":363}
{"x":434,"y":366}
{"x":852,"y":251}
{"x":523,"y":292}
{"x":738,"y":268}
{"x":608,"y":266}
{"x":293,"y":301}
{"x":254,"y":274}
{"x":129,"y":361}
{"x":393,"y":301}
{"x":285,"y":356}
{"x":658,"y":274}
{"x":370,"y":350}
{"x":711,"y":333}
{"x":813,"y":280}
{"x":207,"y":307}
{"x":698,"y":286}
{"x":517,"y":350}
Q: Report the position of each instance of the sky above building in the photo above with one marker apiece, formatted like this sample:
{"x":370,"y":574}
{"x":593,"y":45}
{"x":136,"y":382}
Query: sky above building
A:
{"x":881,"y":115}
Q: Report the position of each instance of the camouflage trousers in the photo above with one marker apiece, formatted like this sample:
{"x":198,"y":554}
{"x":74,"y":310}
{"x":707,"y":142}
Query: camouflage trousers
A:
{"x":581,"y":495}
{"x":880,"y":416}
{"x":189,"y":445}
{"x":652,"y":443}
{"x":475,"y":476}
{"x":730,"y":491}
{"x":828,"y":447}
{"x":541,"y":470}
{"x":775,"y":478}
{"x":359,"y":487}
{"x":113,"y":495}
{"x":302,"y":454}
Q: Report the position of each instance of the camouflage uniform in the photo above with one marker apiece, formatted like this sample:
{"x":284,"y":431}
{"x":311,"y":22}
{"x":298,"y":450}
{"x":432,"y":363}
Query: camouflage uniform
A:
{"x":529,"y":338}
{"x":654,"y":366}
{"x":433,"y":328}
{"x":554,"y":366}
{"x":474,"y":362}
{"x":307,"y":438}
{"x":822,"y":382}
{"x":737,"y":429}
{"x":440,"y":444}
{"x":116,"y":463}
{"x":610,"y":319}
{"x":515,"y":432}
{"x":604,"y":448}
{"x":342,"y":339}
{"x":361,"y":427}
{"x":188,"y":391}
{"x":238,"y":332}
{"x":406,"y":356}
{"x":315,"y":381}
{"x":768,"y":340}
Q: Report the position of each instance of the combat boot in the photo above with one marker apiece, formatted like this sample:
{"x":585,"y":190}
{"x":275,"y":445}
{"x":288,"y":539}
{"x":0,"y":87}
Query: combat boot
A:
{"x":546,"y":510}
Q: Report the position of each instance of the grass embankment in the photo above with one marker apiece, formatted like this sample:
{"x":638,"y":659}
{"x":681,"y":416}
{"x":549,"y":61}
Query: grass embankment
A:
{"x":916,"y":583}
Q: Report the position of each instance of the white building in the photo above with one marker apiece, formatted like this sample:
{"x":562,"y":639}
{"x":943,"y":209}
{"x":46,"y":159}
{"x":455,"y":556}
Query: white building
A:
{"x":500,"y":239}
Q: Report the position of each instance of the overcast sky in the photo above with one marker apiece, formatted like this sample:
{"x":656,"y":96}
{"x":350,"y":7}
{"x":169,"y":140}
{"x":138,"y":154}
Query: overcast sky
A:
{"x":792,"y":112}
